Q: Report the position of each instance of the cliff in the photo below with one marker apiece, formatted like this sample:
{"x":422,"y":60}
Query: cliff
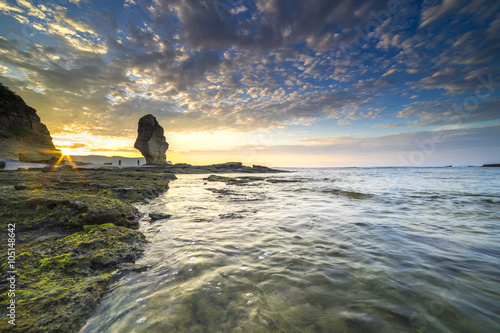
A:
{"x":22,"y":135}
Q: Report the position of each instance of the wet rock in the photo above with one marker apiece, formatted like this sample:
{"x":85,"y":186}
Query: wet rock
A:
{"x":151,"y":141}
{"x":49,"y":169}
{"x":262,"y":168}
{"x":122,"y":191}
{"x":170,"y":175}
{"x":127,"y":268}
{"x":159,"y":216}
{"x":233,"y":181}
{"x":215,"y":178}
{"x":230,"y":216}
{"x":228,"y":165}
{"x":2,"y":165}
{"x":69,"y":276}
{"x":280,"y":180}
{"x":221,"y":191}
{"x":80,"y":206}
{"x":26,"y":187}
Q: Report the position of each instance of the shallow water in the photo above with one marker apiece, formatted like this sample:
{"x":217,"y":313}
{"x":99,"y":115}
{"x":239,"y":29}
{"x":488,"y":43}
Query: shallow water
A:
{"x":340,"y":250}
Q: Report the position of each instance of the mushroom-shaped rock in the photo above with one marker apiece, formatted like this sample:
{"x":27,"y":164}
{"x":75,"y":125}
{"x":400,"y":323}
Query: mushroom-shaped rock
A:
{"x":150,"y":141}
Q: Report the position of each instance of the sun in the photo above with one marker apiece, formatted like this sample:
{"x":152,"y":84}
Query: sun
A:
{"x":66,"y":151}
{"x":70,"y":151}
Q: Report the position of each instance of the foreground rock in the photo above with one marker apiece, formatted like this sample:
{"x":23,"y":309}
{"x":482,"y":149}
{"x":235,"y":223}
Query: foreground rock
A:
{"x":22,"y":135}
{"x":151,"y":142}
{"x":75,"y":233}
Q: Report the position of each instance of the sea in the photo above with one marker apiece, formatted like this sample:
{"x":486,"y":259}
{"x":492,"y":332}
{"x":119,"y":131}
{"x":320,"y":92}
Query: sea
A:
{"x":317,"y":250}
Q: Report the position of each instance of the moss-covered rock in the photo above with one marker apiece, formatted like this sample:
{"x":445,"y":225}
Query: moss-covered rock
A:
{"x":74,"y":233}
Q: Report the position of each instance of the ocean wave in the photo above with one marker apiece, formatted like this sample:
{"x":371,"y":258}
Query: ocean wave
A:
{"x":348,"y":194}
{"x":337,"y":192}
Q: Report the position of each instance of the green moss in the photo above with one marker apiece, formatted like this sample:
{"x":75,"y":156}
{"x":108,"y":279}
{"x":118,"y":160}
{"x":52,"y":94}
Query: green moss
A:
{"x":18,"y":131}
{"x":95,"y":226}
{"x":72,"y":236}
{"x":26,"y":187}
{"x":62,"y":260}
{"x":6,"y":135}
{"x":73,"y":231}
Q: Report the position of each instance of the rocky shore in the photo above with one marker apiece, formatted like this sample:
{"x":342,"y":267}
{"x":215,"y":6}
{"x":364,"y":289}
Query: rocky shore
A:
{"x":76,"y":232}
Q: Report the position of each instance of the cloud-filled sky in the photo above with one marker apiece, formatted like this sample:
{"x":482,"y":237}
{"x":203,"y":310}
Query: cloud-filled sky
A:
{"x":273,"y":82}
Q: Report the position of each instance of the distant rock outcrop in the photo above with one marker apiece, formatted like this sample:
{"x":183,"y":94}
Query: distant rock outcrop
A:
{"x":22,"y":135}
{"x":151,"y":142}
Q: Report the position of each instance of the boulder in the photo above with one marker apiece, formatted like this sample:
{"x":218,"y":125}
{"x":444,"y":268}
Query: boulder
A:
{"x":151,"y":141}
{"x":2,"y":165}
{"x":22,"y":134}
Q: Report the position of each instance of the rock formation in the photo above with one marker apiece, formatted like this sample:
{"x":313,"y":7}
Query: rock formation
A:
{"x":150,"y":141}
{"x":22,"y":135}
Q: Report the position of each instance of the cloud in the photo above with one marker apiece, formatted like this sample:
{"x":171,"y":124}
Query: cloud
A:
{"x":451,"y":112}
{"x":434,"y":13}
{"x":72,"y":146}
{"x":246,"y":65}
{"x":390,"y":72}
{"x":8,"y":8}
{"x":389,"y":125}
{"x":373,"y":83}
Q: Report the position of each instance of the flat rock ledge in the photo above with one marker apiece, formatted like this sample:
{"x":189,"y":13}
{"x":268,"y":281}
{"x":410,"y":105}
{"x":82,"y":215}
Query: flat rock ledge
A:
{"x":76,"y":232}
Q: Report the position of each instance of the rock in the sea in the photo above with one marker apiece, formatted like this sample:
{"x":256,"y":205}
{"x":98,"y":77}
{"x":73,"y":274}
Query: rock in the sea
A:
{"x":22,"y":135}
{"x":151,"y":142}
{"x":2,"y":165}
{"x":228,"y":165}
{"x":159,"y":216}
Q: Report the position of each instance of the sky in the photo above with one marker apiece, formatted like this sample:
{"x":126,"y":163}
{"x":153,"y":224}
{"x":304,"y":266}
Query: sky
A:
{"x":306,"y":83}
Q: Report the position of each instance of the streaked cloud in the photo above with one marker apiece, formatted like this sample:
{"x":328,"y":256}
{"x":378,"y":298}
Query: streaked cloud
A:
{"x":94,"y":68}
